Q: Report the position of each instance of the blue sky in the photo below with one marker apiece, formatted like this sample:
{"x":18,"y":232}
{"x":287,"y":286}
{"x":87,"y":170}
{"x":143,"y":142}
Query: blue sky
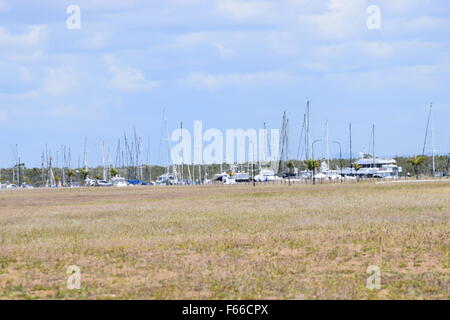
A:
{"x":229,"y":63}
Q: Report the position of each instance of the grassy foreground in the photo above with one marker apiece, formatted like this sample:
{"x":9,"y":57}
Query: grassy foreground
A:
{"x":227,"y":242}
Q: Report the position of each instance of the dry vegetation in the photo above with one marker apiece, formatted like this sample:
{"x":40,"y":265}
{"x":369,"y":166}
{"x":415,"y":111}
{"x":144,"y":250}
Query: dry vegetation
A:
{"x":227,"y":242}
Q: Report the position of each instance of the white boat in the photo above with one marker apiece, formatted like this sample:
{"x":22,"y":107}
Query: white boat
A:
{"x":320,"y":176}
{"x":265,"y":175}
{"x":327,"y":173}
{"x":167,"y":179}
{"x":119,"y":182}
{"x":241,"y":177}
{"x":228,"y":180}
{"x":221,"y":177}
{"x":375,"y":168}
{"x":89,"y":182}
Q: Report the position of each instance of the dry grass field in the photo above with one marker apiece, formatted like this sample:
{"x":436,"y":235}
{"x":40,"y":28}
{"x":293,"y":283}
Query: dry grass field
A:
{"x":227,"y":242}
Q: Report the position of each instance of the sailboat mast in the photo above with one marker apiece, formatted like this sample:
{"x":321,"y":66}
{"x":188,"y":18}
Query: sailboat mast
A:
{"x":432,"y":141}
{"x":327,"y":144}
{"x":373,"y":147}
{"x":264,"y":146}
{"x":426,"y":131}
{"x":351,"y":155}
{"x":430,"y":122}
{"x":287,"y":139}
{"x":103,"y":160}
{"x":307,"y":133}
{"x":182,"y":155}
{"x":85,"y":154}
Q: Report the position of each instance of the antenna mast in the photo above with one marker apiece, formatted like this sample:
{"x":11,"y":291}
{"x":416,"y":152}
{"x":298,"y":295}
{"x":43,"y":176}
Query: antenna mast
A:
{"x":351,"y":155}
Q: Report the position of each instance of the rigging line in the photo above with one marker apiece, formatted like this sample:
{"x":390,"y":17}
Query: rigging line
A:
{"x":301,"y":138}
{"x":426,"y":131}
{"x":370,"y":143}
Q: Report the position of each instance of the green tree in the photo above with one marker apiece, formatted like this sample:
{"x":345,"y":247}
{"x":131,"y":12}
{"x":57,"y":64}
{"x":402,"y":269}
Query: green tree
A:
{"x":84,"y":174}
{"x":290,"y":166}
{"x":357,"y":167}
{"x":113,"y":172}
{"x":98,"y":177}
{"x":70,"y":174}
{"x":416,"y":162}
{"x":312,"y":165}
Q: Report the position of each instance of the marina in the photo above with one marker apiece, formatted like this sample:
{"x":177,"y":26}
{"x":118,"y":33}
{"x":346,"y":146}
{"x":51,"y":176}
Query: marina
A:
{"x":270,"y":162}
{"x":224,"y":159}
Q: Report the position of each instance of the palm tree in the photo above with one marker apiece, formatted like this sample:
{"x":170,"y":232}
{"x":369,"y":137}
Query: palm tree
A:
{"x":57,"y":180}
{"x":70,"y":174}
{"x":290,"y":166}
{"x":84,"y":173}
{"x":416,"y":162}
{"x":312,"y":165}
{"x":357,"y":166}
{"x":113,"y":172}
{"x":98,"y":177}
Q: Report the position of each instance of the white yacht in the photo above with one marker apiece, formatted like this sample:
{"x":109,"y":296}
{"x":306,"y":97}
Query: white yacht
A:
{"x":167,"y":179}
{"x":119,"y":182}
{"x":265,"y":175}
{"x":375,"y":168}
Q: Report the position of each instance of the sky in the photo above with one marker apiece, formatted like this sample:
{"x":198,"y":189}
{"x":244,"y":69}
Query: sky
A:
{"x":228,"y":63}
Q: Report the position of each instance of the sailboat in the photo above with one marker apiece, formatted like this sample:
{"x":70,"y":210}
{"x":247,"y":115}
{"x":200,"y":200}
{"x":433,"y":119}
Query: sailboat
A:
{"x":371,"y":166}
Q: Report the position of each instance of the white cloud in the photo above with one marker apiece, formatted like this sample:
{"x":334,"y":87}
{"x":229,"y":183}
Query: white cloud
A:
{"x":25,"y":73}
{"x":240,"y":10}
{"x":4,"y":114}
{"x":314,"y":66}
{"x":31,"y":38}
{"x":423,"y":23}
{"x":128,"y":79}
{"x":378,"y":49}
{"x":188,"y":40}
{"x":111,"y":5}
{"x":283,"y":42}
{"x":255,"y":79}
{"x":224,"y":51}
{"x":420,"y":77}
{"x":343,"y":19}
{"x":27,"y":56}
{"x":404,"y":6}
{"x":59,"y":81}
{"x":98,"y":40}
{"x":56,"y":82}
{"x":221,"y":41}
{"x":4,"y":6}
{"x":63,"y":111}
